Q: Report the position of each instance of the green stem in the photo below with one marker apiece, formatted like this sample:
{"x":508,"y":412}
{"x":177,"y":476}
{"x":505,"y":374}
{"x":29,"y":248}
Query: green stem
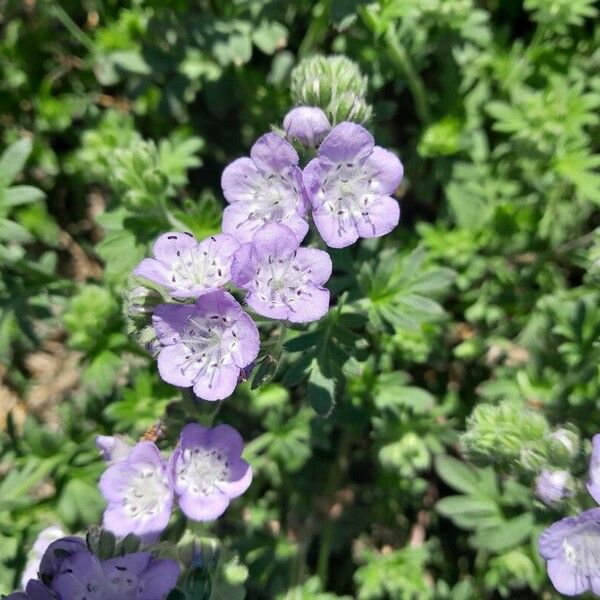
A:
{"x":402,"y":62}
{"x":317,"y":30}
{"x":337,"y":471}
{"x":68,"y":23}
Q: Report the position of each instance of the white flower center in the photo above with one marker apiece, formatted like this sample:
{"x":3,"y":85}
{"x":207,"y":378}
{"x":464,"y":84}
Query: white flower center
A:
{"x":147,"y":492}
{"x":210,"y":341}
{"x":199,"y":267}
{"x":200,"y":470}
{"x":348,"y":192}
{"x":275,"y":197}
{"x":282,"y":282}
{"x":582,"y":548}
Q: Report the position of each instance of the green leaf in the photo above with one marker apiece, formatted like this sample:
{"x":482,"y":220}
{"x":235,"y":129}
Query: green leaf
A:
{"x":270,"y":36}
{"x":505,"y":535}
{"x":10,"y":231}
{"x":457,"y":474}
{"x":13,"y":160}
{"x":20,"y":194}
{"x":320,"y":390}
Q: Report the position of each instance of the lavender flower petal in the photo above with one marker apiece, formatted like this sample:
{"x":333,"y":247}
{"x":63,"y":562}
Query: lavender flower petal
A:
{"x":306,"y":124}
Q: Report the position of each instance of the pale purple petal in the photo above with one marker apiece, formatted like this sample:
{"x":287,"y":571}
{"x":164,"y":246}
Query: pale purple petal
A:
{"x":177,"y":366}
{"x":206,"y":509}
{"x":386,"y":170}
{"x":225,"y":438}
{"x":170,"y":245}
{"x":271,"y":153}
{"x":217,"y":384}
{"x":275,"y":241}
{"x":566,"y":579}
{"x":307,"y":124}
{"x":378,"y":217}
{"x":245,"y":262}
{"x":194,"y":434}
{"x":593,"y":484}
{"x":316,"y":262}
{"x":347,"y":143}
{"x":169,"y":320}
{"x":153,"y":270}
{"x":240,"y":180}
{"x":240,"y":478}
{"x":335,"y":231}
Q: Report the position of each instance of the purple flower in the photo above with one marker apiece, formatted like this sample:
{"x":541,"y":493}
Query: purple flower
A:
{"x":282,"y":280}
{"x":113,"y":448}
{"x":265,"y":188}
{"x":208,"y":471}
{"x":307,"y":124}
{"x":43,"y":540}
{"x":138,"y":492}
{"x":571,"y":548}
{"x":205,"y":345}
{"x":136,"y":576}
{"x":593,"y":484}
{"x":350,"y":184}
{"x":552,"y":486}
{"x":188,"y":268}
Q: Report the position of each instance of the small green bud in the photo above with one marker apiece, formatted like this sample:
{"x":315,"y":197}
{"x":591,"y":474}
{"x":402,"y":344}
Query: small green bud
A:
{"x":139,"y":302}
{"x":334,"y":84}
{"x":506,"y":434}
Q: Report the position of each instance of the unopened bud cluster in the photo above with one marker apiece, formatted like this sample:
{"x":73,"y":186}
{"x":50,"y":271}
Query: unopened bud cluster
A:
{"x":334,"y":84}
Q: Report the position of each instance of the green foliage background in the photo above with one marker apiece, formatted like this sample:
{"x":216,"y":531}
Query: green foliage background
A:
{"x":375,"y":474}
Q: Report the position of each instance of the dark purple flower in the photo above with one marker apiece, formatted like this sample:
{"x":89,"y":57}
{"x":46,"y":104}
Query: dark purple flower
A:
{"x":282,"y":280}
{"x":265,"y":188}
{"x":205,"y":344}
{"x":138,"y":492}
{"x":188,"y":268}
{"x":136,"y":576}
{"x":593,"y":484}
{"x":208,"y":471}
{"x":113,"y":448}
{"x":571,"y":548}
{"x":552,"y":486}
{"x":307,"y":124}
{"x":350,"y":184}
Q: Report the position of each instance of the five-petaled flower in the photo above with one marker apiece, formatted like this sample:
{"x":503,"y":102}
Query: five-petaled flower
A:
{"x":206,"y":344}
{"x":571,"y":548}
{"x":70,"y":571}
{"x":208,"y":471}
{"x":350,"y":184}
{"x":138,"y":492}
{"x":265,"y":188}
{"x":282,"y":280}
{"x":187,"y":268}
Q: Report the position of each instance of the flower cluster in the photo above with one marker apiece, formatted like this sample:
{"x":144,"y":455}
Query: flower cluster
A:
{"x":202,"y":475}
{"x":571,"y":546}
{"x":69,"y":570}
{"x":346,"y":189}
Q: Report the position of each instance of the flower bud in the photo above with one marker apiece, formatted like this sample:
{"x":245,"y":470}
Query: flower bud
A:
{"x":552,"y":486}
{"x":334,"y":84}
{"x":562,"y":446}
{"x":307,"y":125}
